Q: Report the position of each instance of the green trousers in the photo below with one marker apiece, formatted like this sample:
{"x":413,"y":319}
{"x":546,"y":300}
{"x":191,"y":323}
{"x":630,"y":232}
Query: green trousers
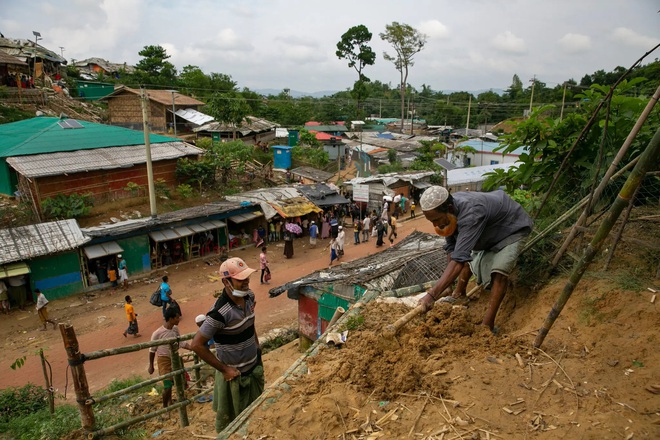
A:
{"x":231,"y":398}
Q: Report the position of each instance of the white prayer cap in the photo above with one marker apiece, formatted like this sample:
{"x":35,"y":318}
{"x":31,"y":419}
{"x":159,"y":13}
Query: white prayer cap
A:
{"x":433,"y":197}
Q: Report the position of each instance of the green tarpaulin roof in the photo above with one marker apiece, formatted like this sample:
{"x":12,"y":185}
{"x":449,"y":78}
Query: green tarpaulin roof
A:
{"x":47,"y":135}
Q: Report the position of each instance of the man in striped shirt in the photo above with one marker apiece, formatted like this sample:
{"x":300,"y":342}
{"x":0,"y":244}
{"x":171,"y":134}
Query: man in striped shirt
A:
{"x":239,"y":377}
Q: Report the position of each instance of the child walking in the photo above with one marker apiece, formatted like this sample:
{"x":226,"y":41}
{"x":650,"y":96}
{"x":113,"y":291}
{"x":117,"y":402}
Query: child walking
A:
{"x":132,"y":318}
{"x":42,"y":310}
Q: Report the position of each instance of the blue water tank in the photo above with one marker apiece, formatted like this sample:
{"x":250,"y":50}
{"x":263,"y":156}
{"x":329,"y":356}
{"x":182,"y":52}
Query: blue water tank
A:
{"x":281,"y":156}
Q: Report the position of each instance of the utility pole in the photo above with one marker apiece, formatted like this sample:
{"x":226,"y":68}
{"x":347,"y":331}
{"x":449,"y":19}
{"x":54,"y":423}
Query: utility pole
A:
{"x":173,"y":112}
{"x":531,"y":98}
{"x":563,"y":100}
{"x":147,"y":145}
{"x":467,"y":124}
{"x":62,"y":51}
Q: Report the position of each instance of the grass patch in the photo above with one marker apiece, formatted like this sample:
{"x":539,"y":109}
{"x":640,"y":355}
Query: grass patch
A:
{"x":352,"y":323}
{"x":41,"y":425}
{"x":589,"y":313}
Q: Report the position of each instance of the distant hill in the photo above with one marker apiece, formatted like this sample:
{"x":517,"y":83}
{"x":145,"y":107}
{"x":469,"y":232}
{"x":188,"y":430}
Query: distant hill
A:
{"x":322,"y":93}
{"x":297,"y":93}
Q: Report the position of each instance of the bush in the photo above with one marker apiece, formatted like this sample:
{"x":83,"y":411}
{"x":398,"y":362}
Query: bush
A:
{"x":19,"y":402}
{"x":68,"y":206}
{"x":185,"y":191}
{"x":162,"y":190}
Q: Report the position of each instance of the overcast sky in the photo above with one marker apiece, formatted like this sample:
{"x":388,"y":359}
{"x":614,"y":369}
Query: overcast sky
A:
{"x":276,"y":44}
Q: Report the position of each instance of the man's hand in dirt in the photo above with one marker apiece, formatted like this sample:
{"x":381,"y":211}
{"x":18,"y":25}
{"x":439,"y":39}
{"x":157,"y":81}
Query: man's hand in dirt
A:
{"x":427,"y":301}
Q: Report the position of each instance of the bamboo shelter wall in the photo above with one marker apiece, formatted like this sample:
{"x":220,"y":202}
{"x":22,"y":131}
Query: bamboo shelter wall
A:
{"x":126,"y":111}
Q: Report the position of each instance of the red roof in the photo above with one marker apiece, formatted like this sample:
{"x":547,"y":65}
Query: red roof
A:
{"x":324,"y":136}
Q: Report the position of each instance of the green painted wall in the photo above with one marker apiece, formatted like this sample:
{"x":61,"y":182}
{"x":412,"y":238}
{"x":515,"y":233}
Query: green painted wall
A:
{"x":8,"y":179}
{"x":136,"y":254}
{"x":329,"y":303}
{"x":56,"y":275}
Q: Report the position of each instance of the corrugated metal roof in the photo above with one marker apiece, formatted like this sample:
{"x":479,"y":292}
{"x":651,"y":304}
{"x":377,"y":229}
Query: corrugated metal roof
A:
{"x":44,"y":135}
{"x":266,"y":195}
{"x":192,"y":115}
{"x":378,"y":270}
{"x":390,"y":178}
{"x":28,"y":242}
{"x":249,"y":125}
{"x":312,"y":174}
{"x":475,"y":174}
{"x":54,"y":164}
{"x":102,"y":249}
{"x":160,"y":96}
{"x":322,"y":195}
{"x":5,"y":58}
{"x":165,"y":219}
{"x":242,"y":218}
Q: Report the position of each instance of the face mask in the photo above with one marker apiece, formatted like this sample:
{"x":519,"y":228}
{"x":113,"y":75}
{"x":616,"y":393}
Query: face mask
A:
{"x":239,"y":293}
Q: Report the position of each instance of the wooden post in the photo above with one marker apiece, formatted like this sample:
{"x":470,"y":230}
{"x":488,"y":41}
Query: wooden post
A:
{"x":49,"y":388}
{"x":179,"y":382}
{"x":76,"y":360}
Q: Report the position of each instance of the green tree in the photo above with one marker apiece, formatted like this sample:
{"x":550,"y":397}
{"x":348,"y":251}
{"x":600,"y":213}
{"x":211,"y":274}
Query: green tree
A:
{"x":153,"y":68}
{"x":407,"y":42}
{"x":515,"y":90}
{"x":230,"y":108}
{"x":354,"y":48}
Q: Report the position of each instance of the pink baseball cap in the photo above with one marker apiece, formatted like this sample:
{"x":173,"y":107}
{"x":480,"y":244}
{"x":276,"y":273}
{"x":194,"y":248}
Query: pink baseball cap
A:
{"x":235,"y":268}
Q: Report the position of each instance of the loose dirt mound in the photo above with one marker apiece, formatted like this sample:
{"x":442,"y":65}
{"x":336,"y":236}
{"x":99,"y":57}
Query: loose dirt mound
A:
{"x":444,"y":374}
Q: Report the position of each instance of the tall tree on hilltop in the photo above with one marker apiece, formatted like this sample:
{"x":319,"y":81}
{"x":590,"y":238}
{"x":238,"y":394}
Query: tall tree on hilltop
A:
{"x":407,"y":42}
{"x":354,"y":48}
{"x":153,"y":68}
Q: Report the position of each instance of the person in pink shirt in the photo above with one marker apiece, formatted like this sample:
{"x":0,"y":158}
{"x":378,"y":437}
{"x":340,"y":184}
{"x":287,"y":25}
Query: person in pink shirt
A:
{"x":263,"y":262}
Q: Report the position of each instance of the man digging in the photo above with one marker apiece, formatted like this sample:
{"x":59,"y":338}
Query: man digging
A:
{"x":485,"y":233}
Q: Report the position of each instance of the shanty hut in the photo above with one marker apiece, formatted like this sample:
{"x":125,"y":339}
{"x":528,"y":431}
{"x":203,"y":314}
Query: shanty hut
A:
{"x":252,"y":130}
{"x":45,"y":255}
{"x":322,"y":195}
{"x":311,"y":175}
{"x":44,"y":156}
{"x":125,"y":108}
{"x":416,"y":259}
{"x":11,"y":69}
{"x":170,"y":238}
{"x":96,"y":68}
{"x":411,"y":185}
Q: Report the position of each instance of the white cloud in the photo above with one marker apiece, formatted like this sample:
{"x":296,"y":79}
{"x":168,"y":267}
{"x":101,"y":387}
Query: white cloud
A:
{"x":509,"y":43}
{"x":434,"y":29}
{"x":575,"y":43}
{"x":632,"y":38}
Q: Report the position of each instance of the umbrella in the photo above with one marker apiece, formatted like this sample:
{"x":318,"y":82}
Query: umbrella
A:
{"x":293,"y":228}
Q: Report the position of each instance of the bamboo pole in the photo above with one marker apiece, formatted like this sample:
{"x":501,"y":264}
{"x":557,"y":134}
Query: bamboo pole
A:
{"x":76,"y":362}
{"x":561,"y":219}
{"x":649,"y":158}
{"x":626,"y":215}
{"x":137,"y":386}
{"x":49,"y":388}
{"x":179,"y":382}
{"x":603,"y":183}
{"x":126,"y":423}
{"x":135,"y":347}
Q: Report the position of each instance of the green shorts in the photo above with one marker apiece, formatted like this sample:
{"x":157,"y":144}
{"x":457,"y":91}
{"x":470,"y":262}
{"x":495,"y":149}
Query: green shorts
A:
{"x":484,"y":263}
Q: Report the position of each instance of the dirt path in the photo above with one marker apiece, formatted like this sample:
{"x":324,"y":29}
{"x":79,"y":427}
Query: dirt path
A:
{"x":100,"y":321}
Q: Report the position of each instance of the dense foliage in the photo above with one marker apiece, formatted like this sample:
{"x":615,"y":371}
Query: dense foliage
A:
{"x":67,"y":206}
